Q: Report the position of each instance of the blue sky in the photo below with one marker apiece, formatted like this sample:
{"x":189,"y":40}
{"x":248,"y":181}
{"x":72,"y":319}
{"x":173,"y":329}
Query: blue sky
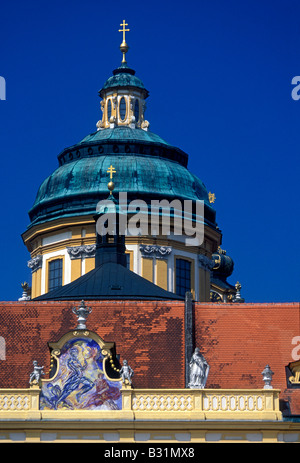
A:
{"x":219,"y":75}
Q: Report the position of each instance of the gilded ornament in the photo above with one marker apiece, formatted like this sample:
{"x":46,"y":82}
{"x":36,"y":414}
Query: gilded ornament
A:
{"x":111,"y":186}
{"x":295,"y":379}
{"x":211,"y":197}
{"x":124,"y":47}
{"x":111,"y":170}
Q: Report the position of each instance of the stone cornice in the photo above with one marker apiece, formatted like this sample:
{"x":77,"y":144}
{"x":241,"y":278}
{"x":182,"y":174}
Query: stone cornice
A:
{"x":35,"y":263}
{"x":160,"y":252}
{"x":81,"y":252}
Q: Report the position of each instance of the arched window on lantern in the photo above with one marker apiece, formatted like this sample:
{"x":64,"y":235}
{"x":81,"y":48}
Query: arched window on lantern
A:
{"x":122,"y":108}
{"x":137,"y":110}
{"x":108,"y":110}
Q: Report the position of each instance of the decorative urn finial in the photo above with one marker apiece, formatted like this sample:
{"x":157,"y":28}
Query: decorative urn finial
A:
{"x":238,"y":297}
{"x":26,"y":292}
{"x":267,"y":374}
{"x":82,"y":312}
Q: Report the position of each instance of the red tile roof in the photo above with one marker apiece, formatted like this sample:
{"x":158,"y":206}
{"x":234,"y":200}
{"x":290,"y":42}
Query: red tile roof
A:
{"x":150,"y":335}
{"x":237,"y":340}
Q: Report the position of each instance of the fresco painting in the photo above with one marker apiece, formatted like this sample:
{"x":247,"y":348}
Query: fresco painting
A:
{"x":80,"y":382}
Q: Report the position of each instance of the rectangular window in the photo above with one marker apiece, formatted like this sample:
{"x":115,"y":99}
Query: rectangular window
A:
{"x":183,"y":276}
{"x":55,"y":274}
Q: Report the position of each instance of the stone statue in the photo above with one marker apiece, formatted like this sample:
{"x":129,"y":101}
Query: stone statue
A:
{"x":199,"y":369}
{"x":35,"y":376}
{"x":126,"y":372}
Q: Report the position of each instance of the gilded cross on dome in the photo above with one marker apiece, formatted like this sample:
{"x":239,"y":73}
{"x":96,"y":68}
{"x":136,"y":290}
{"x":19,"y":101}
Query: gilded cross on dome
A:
{"x":124,"y":47}
{"x":111,"y":170}
{"x":124,"y":24}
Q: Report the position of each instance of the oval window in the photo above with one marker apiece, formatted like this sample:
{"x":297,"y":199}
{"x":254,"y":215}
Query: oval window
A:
{"x":136,"y":110}
{"x":108,"y":110}
{"x":122,"y":108}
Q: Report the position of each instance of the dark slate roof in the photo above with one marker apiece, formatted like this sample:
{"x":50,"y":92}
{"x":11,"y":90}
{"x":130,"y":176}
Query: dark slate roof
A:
{"x":110,"y":281}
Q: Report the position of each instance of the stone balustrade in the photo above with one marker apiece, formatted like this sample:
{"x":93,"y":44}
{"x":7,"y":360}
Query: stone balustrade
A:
{"x":187,"y":404}
{"x":208,"y":403}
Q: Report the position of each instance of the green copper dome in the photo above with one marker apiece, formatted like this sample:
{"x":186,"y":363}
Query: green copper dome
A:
{"x":123,"y":76}
{"x":124,"y":133}
{"x":146,"y":168}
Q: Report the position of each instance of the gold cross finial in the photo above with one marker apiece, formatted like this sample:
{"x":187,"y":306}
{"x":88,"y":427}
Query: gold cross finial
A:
{"x":124,"y":24}
{"x":124,"y":47}
{"x":111,"y":170}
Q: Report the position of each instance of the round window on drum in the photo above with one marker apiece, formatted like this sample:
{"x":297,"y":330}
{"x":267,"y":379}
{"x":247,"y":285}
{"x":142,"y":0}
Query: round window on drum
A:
{"x":137,"y":110}
{"x":108,"y":110}
{"x":122,"y":108}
